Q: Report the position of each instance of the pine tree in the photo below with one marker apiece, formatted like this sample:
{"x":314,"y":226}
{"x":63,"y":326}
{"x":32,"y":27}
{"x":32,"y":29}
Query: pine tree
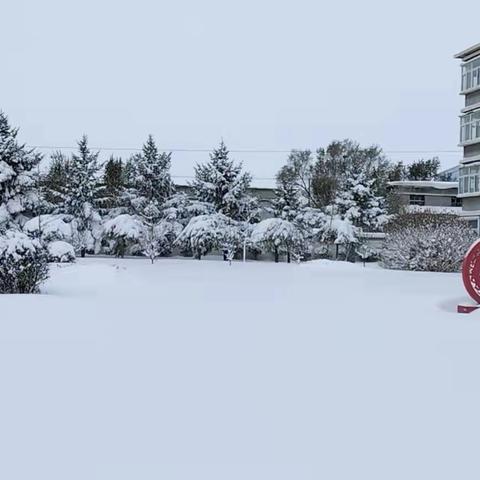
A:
{"x":149,"y":187}
{"x":54,"y":183}
{"x":424,"y":169}
{"x":358,"y":204}
{"x":18,"y":176}
{"x":113,"y":182}
{"x":287,"y":201}
{"x":149,"y":177}
{"x":81,"y":195}
{"x":222,"y":183}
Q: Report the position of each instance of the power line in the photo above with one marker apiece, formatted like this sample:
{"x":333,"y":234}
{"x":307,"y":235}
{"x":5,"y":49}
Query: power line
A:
{"x":205,"y":150}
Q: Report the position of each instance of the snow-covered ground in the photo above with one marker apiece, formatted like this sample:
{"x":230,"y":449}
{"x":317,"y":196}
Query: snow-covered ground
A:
{"x":197,"y":370}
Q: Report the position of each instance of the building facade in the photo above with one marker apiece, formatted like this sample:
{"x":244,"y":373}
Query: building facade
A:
{"x":434,"y":196}
{"x":469,"y":172}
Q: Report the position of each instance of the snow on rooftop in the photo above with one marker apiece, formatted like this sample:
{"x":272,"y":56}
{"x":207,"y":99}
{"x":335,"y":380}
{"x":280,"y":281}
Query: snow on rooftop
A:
{"x":424,"y":184}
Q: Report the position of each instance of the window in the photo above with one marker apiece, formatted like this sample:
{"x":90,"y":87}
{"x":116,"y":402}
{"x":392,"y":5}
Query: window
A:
{"x":469,"y":180}
{"x":470,"y":127}
{"x":455,"y":202}
{"x":471,"y":75}
{"x":473,"y":224}
{"x":417,"y":200}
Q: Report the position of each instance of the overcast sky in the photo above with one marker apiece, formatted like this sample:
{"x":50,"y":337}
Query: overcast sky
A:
{"x":260,"y":74}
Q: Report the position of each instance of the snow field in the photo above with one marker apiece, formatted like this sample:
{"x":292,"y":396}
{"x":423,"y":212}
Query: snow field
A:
{"x":194,"y":369}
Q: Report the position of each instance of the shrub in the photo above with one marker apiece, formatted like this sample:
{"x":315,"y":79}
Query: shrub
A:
{"x":278,"y":236}
{"x":61,"y":252}
{"x":50,"y":227}
{"x":23,"y":263}
{"x":125,"y":233}
{"x":205,"y":233}
{"x":426,"y":242}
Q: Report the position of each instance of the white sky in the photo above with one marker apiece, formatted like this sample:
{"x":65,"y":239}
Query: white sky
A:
{"x":261,"y":74}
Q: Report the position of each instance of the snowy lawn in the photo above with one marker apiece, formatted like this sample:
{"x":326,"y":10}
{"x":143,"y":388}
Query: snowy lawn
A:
{"x":197,"y":370}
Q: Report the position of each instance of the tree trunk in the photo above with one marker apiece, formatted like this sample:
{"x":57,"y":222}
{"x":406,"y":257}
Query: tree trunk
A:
{"x":276,"y":255}
{"x":83,"y":252}
{"x":288,"y":256}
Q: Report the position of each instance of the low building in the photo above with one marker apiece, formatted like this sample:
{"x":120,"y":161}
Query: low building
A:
{"x":435,"y":196}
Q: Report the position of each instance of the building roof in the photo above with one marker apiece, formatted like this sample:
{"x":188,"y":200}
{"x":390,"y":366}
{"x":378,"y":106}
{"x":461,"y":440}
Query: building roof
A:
{"x":469,"y":52}
{"x":424,"y":184}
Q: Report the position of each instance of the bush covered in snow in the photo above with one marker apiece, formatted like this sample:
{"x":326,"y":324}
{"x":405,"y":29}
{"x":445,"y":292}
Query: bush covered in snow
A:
{"x":278,"y":236}
{"x":209,"y":232}
{"x":124,"y":232}
{"x":50,"y":227}
{"x":426,"y":242}
{"x":61,"y":252}
{"x":23,"y":263}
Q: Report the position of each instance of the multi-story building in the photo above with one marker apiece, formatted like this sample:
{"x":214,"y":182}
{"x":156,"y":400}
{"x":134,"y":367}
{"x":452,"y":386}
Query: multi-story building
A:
{"x":469,"y":172}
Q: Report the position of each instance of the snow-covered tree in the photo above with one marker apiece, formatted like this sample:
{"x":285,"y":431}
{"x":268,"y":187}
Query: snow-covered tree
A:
{"x":149,"y":180}
{"x":358,"y":204}
{"x":18,"y":177}
{"x":123,"y":233}
{"x":231,"y":239}
{"x":288,"y":199}
{"x":222,"y":183}
{"x":23,"y":263}
{"x":209,"y":232}
{"x":150,"y":216}
{"x":179,"y":208}
{"x":149,"y":186}
{"x":427,"y":242}
{"x":81,"y":195}
{"x":365,"y":252}
{"x":50,"y":227}
{"x":277,"y":236}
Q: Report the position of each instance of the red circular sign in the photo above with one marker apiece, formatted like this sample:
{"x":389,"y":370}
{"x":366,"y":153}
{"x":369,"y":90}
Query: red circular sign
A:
{"x":471,"y":271}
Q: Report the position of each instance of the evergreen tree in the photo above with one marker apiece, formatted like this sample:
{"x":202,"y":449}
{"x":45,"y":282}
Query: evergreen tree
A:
{"x":149,"y":178}
{"x":287,"y":201}
{"x":424,"y":169}
{"x":54,"y":183}
{"x":81,"y":194}
{"x":18,"y":176}
{"x":222,"y":183}
{"x":113,"y":182}
{"x":358,"y":203}
{"x":149,"y":187}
